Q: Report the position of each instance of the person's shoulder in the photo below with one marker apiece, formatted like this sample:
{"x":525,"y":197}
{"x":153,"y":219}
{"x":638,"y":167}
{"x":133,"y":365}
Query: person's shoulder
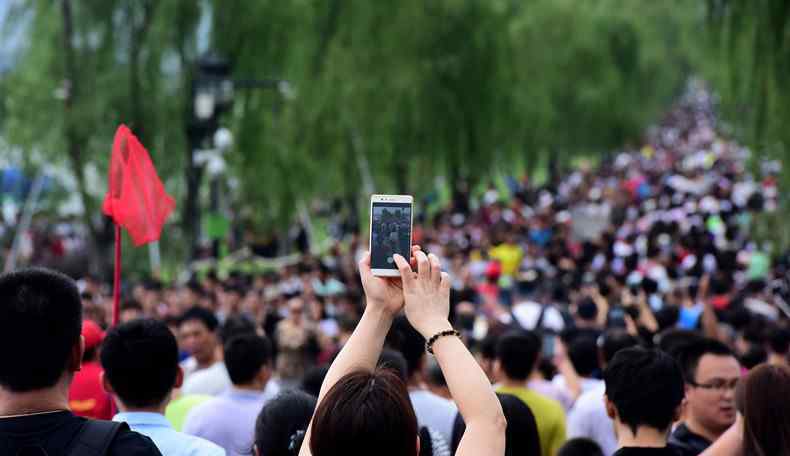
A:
{"x":546,"y":405}
{"x":203,"y":411}
{"x":199,"y":446}
{"x":434,"y":400}
{"x":130,"y":443}
{"x":592,"y":398}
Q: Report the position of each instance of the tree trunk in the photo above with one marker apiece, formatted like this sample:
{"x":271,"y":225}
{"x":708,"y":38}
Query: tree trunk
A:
{"x":99,"y":262}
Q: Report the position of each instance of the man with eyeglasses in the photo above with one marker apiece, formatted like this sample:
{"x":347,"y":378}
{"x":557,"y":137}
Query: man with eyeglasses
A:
{"x":711,"y":372}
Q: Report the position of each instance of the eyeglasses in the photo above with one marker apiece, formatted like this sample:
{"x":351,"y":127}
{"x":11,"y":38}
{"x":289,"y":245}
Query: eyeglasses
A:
{"x":719,"y":384}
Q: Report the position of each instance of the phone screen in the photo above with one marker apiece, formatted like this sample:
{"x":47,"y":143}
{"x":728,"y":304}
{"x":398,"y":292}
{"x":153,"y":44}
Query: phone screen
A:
{"x":390,"y":233}
{"x":548,"y":346}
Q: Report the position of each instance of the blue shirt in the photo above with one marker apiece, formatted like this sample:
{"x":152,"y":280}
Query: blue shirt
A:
{"x":228,"y":420}
{"x":169,"y":441}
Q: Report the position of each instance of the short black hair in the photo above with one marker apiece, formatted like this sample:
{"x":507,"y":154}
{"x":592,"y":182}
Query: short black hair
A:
{"x":313,"y":379}
{"x":407,"y":340}
{"x":245,"y":355}
{"x":236,"y":325}
{"x":673,"y":341}
{"x":140,"y":361}
{"x":521,"y":435}
{"x":646,"y":387}
{"x":282,"y":423}
{"x":202,"y":315}
{"x":487,"y":346}
{"x":779,"y":340}
{"x":689,"y":355}
{"x":40,"y":323}
{"x":517,"y":352}
{"x":583,"y":353}
{"x":580,"y":447}
{"x":614,"y":340}
{"x":394,"y":360}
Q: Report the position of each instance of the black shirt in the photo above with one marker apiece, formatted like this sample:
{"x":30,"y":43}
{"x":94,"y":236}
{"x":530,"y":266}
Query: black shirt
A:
{"x":645,"y":451}
{"x":686,"y":442}
{"x":55,"y":433}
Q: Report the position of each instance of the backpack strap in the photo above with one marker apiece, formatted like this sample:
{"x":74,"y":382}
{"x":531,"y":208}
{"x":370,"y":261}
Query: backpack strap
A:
{"x":95,"y":438}
{"x":426,"y":443}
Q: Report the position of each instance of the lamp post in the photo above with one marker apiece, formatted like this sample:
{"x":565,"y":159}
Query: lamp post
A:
{"x":212,"y":93}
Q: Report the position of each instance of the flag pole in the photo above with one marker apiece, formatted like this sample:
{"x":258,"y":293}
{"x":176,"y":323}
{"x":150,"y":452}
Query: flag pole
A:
{"x":116,"y":297}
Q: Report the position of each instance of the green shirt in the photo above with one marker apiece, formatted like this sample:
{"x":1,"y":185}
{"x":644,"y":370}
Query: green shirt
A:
{"x":549,"y":416}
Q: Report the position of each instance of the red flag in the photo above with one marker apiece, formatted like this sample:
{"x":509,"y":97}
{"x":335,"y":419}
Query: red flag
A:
{"x":136,"y":198}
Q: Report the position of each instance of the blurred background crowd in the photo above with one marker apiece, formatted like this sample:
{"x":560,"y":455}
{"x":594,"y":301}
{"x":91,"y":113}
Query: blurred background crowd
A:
{"x":655,"y":241}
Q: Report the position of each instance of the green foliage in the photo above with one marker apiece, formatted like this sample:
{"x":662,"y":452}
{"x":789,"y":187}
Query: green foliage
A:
{"x":388,"y":94}
{"x":749,"y":45}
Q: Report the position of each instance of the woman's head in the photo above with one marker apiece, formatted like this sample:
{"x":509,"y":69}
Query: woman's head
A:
{"x":282,"y":423}
{"x":766,"y":411}
{"x":365,"y":413}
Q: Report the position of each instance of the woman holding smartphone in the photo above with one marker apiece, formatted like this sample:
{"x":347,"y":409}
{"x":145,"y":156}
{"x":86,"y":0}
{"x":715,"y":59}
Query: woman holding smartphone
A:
{"x":363,"y":410}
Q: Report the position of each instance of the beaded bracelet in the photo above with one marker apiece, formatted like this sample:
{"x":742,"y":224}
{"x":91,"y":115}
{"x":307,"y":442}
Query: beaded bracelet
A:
{"x":435,"y":337}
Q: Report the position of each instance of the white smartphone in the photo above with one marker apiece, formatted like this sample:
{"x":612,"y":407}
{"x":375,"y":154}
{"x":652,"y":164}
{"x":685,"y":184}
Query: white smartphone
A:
{"x":391,"y":219}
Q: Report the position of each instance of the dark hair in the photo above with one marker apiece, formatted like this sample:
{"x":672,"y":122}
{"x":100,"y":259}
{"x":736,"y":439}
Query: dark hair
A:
{"x":580,"y":447}
{"x":245,"y":355}
{"x":646,"y":387}
{"x":236,"y":325}
{"x":202,"y":315}
{"x":673,"y":341}
{"x":40,"y":323}
{"x":313,"y":379}
{"x":347,"y":323}
{"x":766,"y":424}
{"x":435,"y":376}
{"x":131,"y":304}
{"x":90,"y":354}
{"x":521,"y":436}
{"x":394,"y":360}
{"x":779,"y":340}
{"x":140,"y":361}
{"x":690,"y":355}
{"x":583,"y":353}
{"x":365,"y":412}
{"x":488,"y":345}
{"x":587,"y":309}
{"x":407,"y":340}
{"x":614,"y":340}
{"x":280,"y":427}
{"x":517,"y":352}
{"x":754,"y":356}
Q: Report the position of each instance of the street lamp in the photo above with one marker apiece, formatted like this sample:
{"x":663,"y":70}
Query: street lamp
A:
{"x":212,"y":92}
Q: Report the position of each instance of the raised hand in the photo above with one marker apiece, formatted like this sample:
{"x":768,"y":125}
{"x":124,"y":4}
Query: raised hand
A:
{"x":426,"y":293}
{"x":384,"y":293}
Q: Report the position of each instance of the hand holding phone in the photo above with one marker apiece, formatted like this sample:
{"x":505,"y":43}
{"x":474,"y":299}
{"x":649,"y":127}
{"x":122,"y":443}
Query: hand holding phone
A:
{"x":391,"y":219}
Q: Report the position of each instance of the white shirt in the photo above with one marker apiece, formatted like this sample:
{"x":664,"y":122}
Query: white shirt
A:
{"x":434,"y":412}
{"x":527,"y":314}
{"x":588,"y":419}
{"x":210,"y":381}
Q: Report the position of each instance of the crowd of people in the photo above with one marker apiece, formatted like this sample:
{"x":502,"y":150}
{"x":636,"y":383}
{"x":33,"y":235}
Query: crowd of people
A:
{"x":619,"y":309}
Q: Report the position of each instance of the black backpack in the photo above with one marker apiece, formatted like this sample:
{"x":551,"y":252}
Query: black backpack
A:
{"x":94,"y":439}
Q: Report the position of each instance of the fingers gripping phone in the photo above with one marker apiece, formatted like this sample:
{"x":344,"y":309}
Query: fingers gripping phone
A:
{"x":390,"y":232}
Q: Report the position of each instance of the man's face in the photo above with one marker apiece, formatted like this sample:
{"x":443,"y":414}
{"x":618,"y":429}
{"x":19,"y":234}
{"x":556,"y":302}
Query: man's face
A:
{"x":197,"y":340}
{"x":711,"y":400}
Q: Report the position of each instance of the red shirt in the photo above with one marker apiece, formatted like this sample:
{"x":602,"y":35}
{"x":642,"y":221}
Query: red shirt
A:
{"x":87,"y":398}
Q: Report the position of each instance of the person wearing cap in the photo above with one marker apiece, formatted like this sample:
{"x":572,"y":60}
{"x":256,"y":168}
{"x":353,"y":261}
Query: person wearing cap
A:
{"x":87,"y":398}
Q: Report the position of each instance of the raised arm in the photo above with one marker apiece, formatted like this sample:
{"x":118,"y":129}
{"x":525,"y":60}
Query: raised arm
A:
{"x":427,"y":295}
{"x":384,"y":299}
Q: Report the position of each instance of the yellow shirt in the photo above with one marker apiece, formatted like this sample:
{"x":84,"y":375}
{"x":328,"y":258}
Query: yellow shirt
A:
{"x":549,"y":416}
{"x":509,"y":255}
